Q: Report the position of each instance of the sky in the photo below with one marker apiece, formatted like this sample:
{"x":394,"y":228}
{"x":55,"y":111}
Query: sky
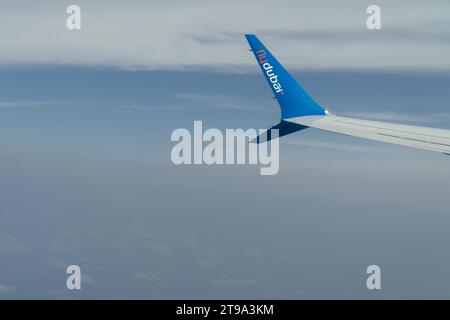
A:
{"x":86,"y":176}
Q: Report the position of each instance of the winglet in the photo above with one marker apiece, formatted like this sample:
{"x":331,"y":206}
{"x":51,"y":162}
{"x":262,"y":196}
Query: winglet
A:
{"x":292,"y":98}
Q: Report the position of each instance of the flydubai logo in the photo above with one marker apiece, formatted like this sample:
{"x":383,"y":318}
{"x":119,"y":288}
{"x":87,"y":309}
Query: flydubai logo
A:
{"x":234,"y":146}
{"x":268,"y":68}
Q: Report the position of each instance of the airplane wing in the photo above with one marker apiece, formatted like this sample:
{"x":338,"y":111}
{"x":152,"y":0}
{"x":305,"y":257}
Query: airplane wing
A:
{"x":410,"y":136}
{"x":300,"y":111}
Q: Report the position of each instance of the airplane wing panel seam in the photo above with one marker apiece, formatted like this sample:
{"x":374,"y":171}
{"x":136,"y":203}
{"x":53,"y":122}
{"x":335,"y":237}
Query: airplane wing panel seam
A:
{"x":411,"y":139}
{"x":394,"y":130}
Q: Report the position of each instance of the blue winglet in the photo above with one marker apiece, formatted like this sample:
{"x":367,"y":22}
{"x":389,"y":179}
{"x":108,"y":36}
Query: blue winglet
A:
{"x":292,"y":98}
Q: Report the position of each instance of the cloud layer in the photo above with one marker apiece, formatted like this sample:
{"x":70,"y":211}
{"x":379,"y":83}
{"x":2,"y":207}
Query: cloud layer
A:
{"x":209,"y":34}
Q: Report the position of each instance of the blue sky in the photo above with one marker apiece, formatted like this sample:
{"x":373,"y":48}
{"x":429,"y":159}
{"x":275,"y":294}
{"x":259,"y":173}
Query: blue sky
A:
{"x":86,"y":176}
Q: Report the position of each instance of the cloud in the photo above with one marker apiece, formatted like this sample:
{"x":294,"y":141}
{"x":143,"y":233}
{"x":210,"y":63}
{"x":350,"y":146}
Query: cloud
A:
{"x":153,"y":277}
{"x":11,"y":245}
{"x":137,"y":108}
{"x":146,"y":276}
{"x":206,"y":264}
{"x":209,"y":34}
{"x":352,"y":35}
{"x":87,"y":279}
{"x":6,"y":289}
{"x":199,"y":101}
{"x":235,"y":283}
{"x":56,"y":263}
{"x":215,"y":101}
{"x":42,"y":103}
{"x":15,"y":104}
{"x":144,"y":238}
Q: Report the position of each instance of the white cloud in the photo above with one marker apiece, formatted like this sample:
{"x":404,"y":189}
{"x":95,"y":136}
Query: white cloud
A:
{"x":186,"y":34}
{"x":152,"y":277}
{"x":6,"y":289}
{"x":86,"y":279}
{"x":56,"y":263}
{"x":145,"y":276}
{"x":215,"y":101}
{"x":147,"y":239}
{"x":24,"y":103}
{"x":234,"y":283}
{"x":11,"y":245}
